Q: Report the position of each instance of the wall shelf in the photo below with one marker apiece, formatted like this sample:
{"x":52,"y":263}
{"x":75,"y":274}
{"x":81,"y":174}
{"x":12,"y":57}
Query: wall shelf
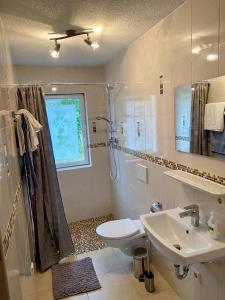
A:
{"x":197,"y":182}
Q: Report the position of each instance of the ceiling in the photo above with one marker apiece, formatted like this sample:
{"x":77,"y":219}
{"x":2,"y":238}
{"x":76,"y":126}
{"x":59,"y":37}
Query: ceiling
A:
{"x":119,"y":22}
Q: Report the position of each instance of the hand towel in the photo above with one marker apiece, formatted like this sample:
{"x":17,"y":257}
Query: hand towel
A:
{"x":214,"y":116}
{"x":217,"y":141}
{"x":33,"y":126}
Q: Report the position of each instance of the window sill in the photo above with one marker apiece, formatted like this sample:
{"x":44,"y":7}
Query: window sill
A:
{"x":73,"y":168}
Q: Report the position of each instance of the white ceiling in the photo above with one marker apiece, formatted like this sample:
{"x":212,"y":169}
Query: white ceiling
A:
{"x":28,"y":23}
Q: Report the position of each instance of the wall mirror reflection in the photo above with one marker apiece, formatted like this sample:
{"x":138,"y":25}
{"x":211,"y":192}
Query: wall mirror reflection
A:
{"x":199,"y":118}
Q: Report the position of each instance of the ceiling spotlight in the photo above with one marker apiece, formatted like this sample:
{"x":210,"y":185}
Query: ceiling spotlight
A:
{"x":89,"y":42}
{"x":54,"y":89}
{"x":94,"y":45}
{"x":55,"y":53}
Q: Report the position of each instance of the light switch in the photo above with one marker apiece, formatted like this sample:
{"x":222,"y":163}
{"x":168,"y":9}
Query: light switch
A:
{"x":142,"y":173}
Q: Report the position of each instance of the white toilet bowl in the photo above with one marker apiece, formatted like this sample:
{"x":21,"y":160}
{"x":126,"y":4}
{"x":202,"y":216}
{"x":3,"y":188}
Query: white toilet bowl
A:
{"x":125,"y":234}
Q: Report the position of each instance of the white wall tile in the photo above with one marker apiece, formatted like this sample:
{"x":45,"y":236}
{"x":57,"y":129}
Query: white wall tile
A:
{"x":86,"y":192}
{"x":205,"y":30}
{"x":222,"y":59}
{"x":222,"y":22}
{"x":181,"y":44}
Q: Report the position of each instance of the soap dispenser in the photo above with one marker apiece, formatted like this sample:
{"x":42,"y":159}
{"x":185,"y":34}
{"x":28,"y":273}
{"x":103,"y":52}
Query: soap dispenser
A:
{"x":212,"y":226}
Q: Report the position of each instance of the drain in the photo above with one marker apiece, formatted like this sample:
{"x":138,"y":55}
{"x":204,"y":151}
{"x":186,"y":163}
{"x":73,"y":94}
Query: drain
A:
{"x":177,"y":246}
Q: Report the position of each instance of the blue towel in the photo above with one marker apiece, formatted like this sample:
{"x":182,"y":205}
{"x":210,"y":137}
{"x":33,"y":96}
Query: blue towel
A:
{"x":217,"y":140}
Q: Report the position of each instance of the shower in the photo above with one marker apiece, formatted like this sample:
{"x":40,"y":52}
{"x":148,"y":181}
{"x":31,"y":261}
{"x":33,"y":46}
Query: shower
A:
{"x":105,"y":119}
{"x":112,"y":140}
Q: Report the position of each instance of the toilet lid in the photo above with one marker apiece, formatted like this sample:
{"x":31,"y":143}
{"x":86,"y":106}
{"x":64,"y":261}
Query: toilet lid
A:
{"x":117,"y":229}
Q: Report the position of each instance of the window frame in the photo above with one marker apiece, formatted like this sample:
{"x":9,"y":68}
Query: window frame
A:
{"x":85,"y":133}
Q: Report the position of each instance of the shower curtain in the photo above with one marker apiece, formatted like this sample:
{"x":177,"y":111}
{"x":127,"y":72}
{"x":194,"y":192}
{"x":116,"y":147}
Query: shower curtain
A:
{"x":199,"y":136}
{"x":52,"y":237}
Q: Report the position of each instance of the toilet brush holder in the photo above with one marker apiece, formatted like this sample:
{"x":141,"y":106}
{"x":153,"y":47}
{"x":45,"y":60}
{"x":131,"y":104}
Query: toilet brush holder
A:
{"x":149,"y":281}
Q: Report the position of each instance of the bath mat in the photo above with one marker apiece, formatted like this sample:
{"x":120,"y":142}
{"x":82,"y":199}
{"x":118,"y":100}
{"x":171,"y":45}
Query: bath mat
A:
{"x":72,"y":278}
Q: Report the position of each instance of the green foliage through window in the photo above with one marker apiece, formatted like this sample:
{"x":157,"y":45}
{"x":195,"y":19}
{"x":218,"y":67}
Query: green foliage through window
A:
{"x":65,"y":123}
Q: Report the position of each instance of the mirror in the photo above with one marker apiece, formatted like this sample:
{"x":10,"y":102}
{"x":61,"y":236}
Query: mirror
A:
{"x":199,"y":118}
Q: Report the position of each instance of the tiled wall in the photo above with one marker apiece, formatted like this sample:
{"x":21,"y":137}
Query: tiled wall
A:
{"x":15,"y":260}
{"x":86,"y":192}
{"x":144,"y":120}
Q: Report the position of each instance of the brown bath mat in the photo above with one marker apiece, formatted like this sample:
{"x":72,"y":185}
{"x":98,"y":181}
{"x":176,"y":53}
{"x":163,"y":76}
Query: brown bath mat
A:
{"x":72,"y":278}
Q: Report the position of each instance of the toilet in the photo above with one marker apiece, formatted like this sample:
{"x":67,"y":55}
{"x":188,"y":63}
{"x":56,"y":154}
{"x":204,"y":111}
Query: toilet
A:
{"x":125,"y":234}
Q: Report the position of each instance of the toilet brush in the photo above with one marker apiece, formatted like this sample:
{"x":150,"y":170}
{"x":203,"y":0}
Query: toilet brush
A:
{"x":142,"y":276}
{"x":148,"y":275}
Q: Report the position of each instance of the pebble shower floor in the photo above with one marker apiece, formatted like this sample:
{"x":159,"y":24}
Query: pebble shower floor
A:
{"x":84,"y":234}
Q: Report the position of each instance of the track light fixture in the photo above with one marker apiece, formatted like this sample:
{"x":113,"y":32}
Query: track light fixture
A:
{"x":55,"y":53}
{"x":71,"y":33}
{"x":89,"y":42}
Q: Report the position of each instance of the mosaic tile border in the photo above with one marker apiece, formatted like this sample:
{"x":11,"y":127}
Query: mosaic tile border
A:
{"x":171,"y":164}
{"x":11,"y":223}
{"x":97,"y":145}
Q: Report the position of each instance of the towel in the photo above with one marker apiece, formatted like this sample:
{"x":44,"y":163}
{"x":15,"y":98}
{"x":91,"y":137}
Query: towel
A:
{"x":217,"y":141}
{"x":20,"y":135}
{"x":33,"y":126}
{"x":214,"y":116}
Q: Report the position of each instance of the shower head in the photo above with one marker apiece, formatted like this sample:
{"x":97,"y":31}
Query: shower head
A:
{"x":105,"y":119}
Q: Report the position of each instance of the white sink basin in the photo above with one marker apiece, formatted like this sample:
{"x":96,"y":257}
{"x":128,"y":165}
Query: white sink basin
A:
{"x":180,"y":242}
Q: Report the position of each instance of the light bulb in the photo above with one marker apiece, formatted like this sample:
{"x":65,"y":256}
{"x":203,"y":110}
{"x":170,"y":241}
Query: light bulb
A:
{"x":54,"y":53}
{"x":94,"y":45}
{"x":54,"y":89}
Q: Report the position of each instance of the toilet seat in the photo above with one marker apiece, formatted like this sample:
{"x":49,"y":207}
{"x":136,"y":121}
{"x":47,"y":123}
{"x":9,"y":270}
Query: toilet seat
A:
{"x":118,"y":229}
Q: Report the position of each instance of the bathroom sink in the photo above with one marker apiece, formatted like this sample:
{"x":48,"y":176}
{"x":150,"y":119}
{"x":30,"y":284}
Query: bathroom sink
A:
{"x":179,"y":241}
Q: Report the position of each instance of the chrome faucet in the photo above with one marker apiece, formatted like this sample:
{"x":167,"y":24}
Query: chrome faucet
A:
{"x":193,"y":212}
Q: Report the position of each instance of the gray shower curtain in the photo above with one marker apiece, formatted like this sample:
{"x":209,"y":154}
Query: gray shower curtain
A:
{"x":52,"y":237}
{"x":199,"y":136}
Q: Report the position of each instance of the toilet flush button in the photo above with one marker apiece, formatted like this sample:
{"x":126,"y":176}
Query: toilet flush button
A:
{"x":142,"y":173}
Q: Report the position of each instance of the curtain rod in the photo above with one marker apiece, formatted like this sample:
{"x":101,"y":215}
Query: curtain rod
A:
{"x":59,"y":83}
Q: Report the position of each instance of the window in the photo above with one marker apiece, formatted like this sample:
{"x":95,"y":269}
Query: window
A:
{"x":68,"y":128}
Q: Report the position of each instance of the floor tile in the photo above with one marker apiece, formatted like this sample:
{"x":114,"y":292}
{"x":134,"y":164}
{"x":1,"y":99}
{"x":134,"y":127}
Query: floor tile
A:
{"x":104,"y":261}
{"x":114,"y":270}
{"x":43,"y":281}
{"x":125,"y":260}
{"x":114,"y":279}
{"x":45,"y":295}
{"x":28,"y":284}
{"x":170,"y":295}
{"x":102,"y":294}
{"x":123,"y":292}
{"x":77,"y":297}
{"x":31,"y":297}
{"x":48,"y":295}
